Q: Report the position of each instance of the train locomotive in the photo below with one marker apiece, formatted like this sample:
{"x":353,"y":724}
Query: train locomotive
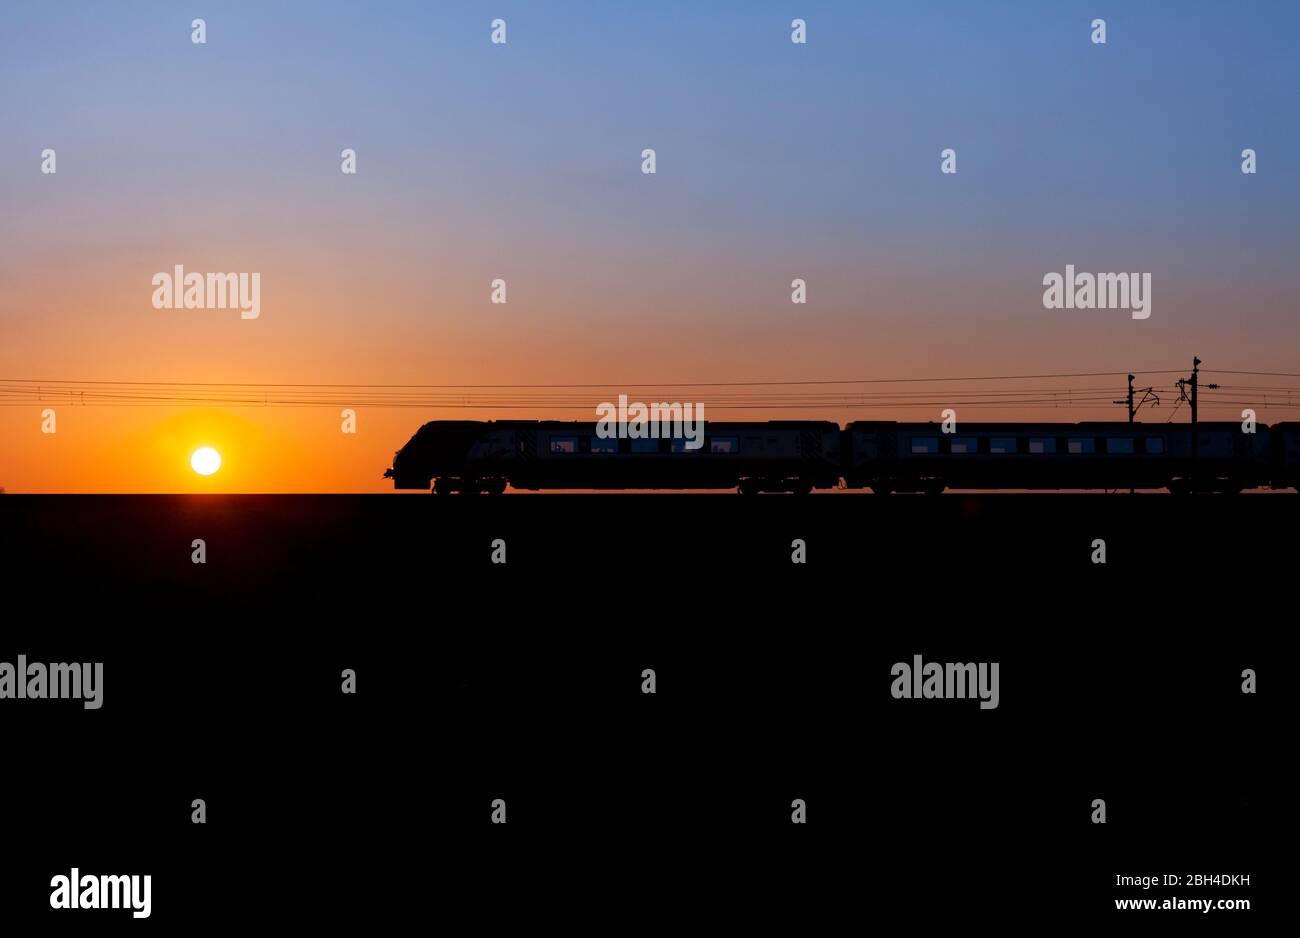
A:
{"x":799,"y":456}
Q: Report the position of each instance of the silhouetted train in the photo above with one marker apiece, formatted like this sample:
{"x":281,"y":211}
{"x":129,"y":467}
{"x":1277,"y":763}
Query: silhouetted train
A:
{"x":802,"y":455}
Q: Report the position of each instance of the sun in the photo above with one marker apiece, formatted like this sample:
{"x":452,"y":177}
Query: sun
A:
{"x":205,"y":460}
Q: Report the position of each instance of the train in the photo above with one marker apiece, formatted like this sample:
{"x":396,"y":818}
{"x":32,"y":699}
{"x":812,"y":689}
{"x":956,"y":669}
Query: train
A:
{"x":799,"y":456}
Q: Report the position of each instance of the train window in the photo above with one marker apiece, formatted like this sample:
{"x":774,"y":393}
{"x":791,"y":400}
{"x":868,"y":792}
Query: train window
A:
{"x":679,"y":446}
{"x":1119,"y":444}
{"x":1155,"y":444}
{"x":645,"y":446}
{"x":606,"y":445}
{"x":1042,"y":445}
{"x":925,"y":444}
{"x":724,"y":444}
{"x":564,"y":444}
{"x":1002,"y":444}
{"x":965,"y":444}
{"x":1082,"y":445}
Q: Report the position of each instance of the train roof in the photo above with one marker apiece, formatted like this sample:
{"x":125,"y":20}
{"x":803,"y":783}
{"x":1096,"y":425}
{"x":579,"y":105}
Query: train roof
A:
{"x":1103,"y":426}
{"x":575,"y":424}
{"x":970,"y":426}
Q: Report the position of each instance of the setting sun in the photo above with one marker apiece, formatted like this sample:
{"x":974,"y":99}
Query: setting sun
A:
{"x":205,"y":460}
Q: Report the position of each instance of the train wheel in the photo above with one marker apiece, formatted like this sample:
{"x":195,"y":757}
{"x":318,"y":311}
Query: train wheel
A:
{"x":934,"y":487}
{"x":802,"y":487}
{"x":495,"y":487}
{"x":881,"y":488}
{"x":749,"y":487}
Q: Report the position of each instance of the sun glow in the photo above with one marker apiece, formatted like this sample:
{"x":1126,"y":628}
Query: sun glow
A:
{"x":205,"y":460}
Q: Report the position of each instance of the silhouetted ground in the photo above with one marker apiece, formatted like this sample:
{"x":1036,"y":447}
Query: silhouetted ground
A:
{"x":522,"y":681}
{"x":261,"y":543}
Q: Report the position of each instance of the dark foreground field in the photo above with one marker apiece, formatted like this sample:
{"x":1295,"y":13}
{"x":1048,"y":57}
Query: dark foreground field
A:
{"x":522,"y":681}
{"x":257,"y":545}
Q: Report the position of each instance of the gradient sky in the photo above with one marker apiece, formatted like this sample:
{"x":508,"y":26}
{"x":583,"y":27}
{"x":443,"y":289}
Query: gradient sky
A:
{"x":522,"y":161}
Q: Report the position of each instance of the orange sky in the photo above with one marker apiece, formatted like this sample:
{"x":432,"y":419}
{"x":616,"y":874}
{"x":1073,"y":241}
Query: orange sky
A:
{"x":325,"y":322}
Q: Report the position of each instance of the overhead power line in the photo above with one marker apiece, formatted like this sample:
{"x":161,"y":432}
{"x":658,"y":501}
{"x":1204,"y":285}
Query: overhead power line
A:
{"x":1000,"y":392}
{"x":608,"y":384}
